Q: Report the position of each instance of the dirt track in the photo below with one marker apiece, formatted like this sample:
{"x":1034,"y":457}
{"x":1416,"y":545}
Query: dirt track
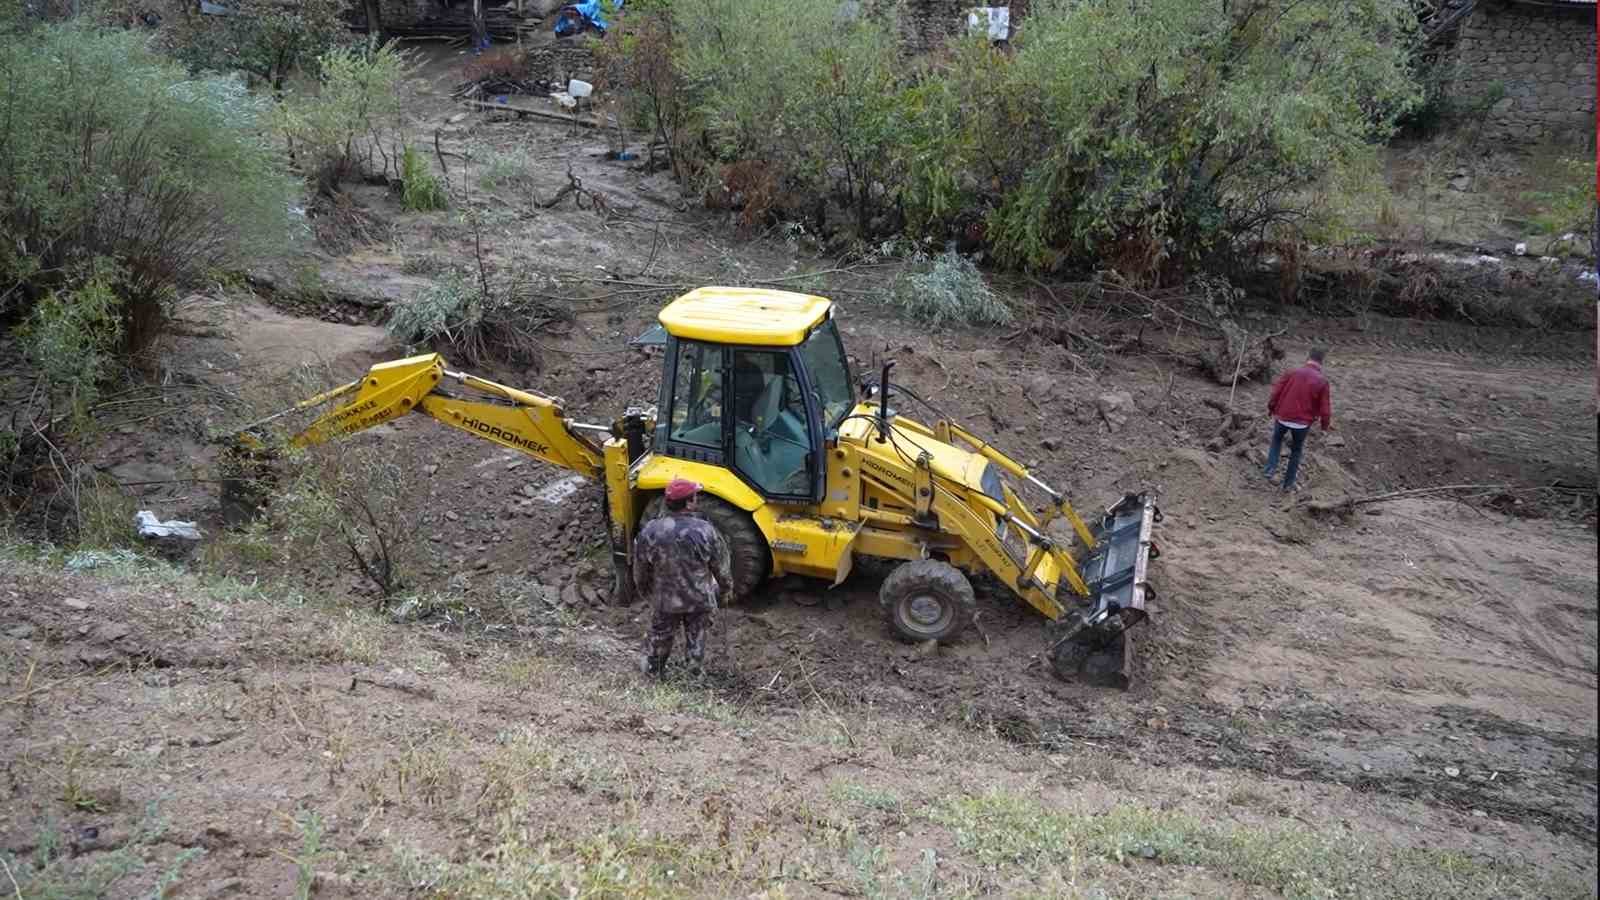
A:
{"x":1377,"y":652}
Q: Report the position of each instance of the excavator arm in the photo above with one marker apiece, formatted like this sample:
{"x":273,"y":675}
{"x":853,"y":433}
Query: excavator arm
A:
{"x":524,"y":421}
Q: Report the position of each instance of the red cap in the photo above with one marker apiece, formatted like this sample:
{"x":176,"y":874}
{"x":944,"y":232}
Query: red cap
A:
{"x":681,"y":489}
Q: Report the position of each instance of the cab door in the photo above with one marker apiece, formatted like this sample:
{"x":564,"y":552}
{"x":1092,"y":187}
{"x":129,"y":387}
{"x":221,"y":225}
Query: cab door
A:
{"x":775,"y":436}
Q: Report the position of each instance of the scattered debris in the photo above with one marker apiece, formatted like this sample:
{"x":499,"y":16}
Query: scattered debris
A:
{"x":151,"y":527}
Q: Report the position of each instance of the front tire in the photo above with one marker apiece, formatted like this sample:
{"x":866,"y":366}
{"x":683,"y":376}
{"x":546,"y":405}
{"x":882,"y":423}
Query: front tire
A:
{"x":749,"y":560}
{"x":927,"y":600}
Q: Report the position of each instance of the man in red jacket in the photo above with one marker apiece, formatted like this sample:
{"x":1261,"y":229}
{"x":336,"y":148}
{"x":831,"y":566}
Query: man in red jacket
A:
{"x":1299,"y":398}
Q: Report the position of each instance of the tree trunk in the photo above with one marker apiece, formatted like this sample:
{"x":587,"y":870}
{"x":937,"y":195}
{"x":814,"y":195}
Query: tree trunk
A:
{"x":374,"y":19}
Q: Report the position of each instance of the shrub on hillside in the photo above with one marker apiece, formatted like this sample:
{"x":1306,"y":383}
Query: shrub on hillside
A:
{"x":798,"y":90}
{"x":949,"y":289}
{"x":1154,"y":132}
{"x":71,"y":338}
{"x":109,"y":150}
{"x":269,"y":39}
{"x":420,"y":189}
{"x":351,"y":124}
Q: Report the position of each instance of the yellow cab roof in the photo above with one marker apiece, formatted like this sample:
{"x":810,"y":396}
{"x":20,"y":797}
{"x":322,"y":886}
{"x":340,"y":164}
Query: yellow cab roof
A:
{"x":728,"y":315}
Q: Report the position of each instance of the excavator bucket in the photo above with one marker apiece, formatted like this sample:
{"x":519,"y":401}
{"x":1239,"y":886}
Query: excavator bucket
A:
{"x":1098,"y":647}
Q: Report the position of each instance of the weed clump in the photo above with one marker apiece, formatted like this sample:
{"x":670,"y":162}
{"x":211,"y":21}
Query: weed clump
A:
{"x":948,"y":288}
{"x":420,"y":189}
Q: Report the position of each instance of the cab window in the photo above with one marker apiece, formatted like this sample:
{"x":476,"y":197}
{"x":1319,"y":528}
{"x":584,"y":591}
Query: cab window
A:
{"x":771,"y":439}
{"x":823,"y":355}
{"x":697,"y":395}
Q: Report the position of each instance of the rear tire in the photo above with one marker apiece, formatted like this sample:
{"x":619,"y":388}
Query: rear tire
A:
{"x":749,"y":560}
{"x":927,"y":600}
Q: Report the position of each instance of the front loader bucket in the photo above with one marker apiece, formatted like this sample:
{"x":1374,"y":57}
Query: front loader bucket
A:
{"x":1099,"y":648}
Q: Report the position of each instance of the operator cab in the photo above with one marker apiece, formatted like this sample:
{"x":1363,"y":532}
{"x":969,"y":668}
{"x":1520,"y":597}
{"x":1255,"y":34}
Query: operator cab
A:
{"x":755,"y":381}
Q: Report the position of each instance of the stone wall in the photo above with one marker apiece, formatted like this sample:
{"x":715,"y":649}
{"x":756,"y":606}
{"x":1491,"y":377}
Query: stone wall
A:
{"x":560,"y":60}
{"x":925,"y":25}
{"x":1544,"y":56}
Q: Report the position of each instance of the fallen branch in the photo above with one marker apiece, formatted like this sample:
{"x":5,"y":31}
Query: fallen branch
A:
{"x":538,"y":113}
{"x":1350,"y":503}
{"x":425,"y":693}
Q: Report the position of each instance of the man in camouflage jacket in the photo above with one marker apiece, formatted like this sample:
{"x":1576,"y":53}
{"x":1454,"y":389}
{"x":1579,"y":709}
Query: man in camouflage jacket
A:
{"x":680,"y":563}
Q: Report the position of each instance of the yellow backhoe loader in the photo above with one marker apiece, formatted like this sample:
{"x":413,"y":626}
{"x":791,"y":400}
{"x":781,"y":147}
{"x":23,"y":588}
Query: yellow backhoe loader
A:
{"x":802,"y":474}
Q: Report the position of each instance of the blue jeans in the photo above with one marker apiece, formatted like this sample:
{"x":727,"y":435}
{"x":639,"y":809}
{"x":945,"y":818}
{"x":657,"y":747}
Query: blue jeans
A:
{"x":1297,"y":442}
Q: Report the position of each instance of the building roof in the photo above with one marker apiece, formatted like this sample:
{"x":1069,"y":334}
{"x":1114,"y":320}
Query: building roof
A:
{"x":728,"y":315}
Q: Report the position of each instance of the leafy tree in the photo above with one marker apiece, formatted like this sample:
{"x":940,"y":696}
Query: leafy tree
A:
{"x":352,"y":120}
{"x":266,"y":38}
{"x":799,"y":90}
{"x":1151,"y":132}
{"x":109,"y":150}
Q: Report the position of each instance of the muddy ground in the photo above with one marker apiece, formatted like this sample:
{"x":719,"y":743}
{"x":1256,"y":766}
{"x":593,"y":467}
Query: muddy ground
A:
{"x":1424,"y":670}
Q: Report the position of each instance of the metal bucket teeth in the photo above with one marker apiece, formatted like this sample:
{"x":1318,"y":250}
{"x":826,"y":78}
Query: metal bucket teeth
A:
{"x":1096,"y":661}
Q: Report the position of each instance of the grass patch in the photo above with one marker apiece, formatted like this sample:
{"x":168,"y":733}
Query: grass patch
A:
{"x":858,"y":794}
{"x":54,"y":871}
{"x":1005,"y":830}
{"x":619,"y":862}
{"x":420,"y":189}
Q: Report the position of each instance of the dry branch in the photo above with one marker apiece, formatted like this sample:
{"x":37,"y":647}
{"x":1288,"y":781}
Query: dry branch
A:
{"x":537,"y":113}
{"x":1349,"y":503}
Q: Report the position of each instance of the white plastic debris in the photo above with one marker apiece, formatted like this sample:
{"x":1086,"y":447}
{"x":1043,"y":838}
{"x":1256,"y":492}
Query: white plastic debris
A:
{"x":152,"y":527}
{"x":1522,"y":248}
{"x":579,"y":89}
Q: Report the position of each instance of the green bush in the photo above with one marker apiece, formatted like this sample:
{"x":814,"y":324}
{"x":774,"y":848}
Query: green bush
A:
{"x":794,"y":89}
{"x":71,"y":338}
{"x":420,"y":189}
{"x":444,"y":312}
{"x":108,"y":150}
{"x":1147,"y":133}
{"x":351,"y":124}
{"x":1569,"y":206}
{"x":949,"y":288}
{"x":269,"y":39}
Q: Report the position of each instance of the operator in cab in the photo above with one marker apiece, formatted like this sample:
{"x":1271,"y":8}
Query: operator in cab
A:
{"x":681,"y":565}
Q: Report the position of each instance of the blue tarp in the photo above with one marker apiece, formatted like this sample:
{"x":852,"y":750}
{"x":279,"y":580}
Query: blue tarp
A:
{"x":591,"y":12}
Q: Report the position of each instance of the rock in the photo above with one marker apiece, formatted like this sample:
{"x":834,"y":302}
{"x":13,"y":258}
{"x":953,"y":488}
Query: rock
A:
{"x":530,"y":491}
{"x":990,"y":358}
{"x":456,"y":119}
{"x":74,"y":603}
{"x":1050,"y":444}
{"x":570,"y":595}
{"x":1041,"y":387}
{"x":1462,"y":437}
{"x":1336,"y":441}
{"x":452,"y":515}
{"x":430,"y":470}
{"x":1479,"y":814}
{"x":1452,"y":771}
{"x":110,"y":633}
{"x":1461,"y":183}
{"x":1146,"y":851}
{"x":1521,"y":249}
{"x":1366,"y":767}
{"x":1115,"y":408}
{"x":928,"y":648}
{"x":1082,"y":414}
{"x":225,"y":887}
{"x":21,"y":632}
